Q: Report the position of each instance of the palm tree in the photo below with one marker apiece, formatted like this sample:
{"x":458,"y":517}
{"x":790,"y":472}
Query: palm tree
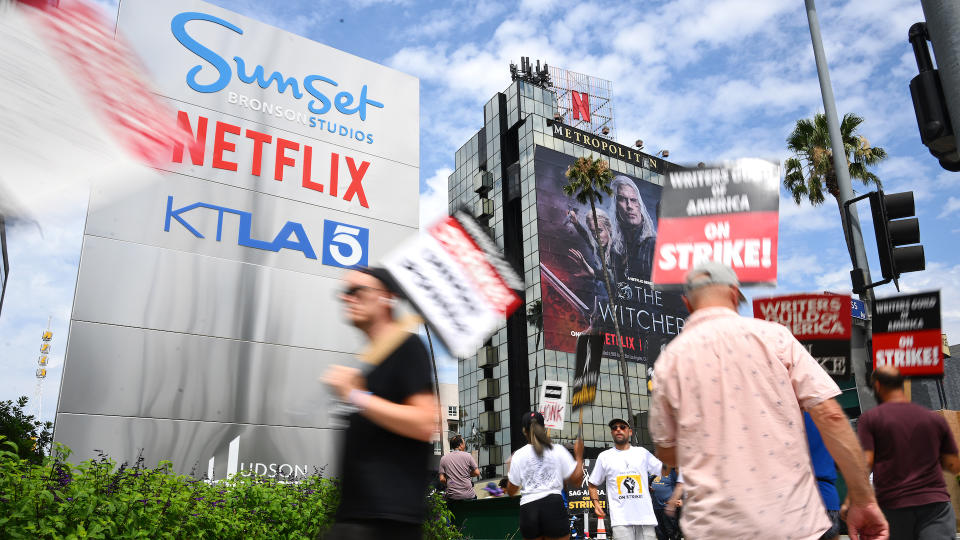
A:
{"x":811,"y":169}
{"x":535,"y":319}
{"x":589,"y":182}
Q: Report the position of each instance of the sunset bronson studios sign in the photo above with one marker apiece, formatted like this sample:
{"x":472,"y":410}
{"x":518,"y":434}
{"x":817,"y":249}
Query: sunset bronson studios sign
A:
{"x":205,"y":309}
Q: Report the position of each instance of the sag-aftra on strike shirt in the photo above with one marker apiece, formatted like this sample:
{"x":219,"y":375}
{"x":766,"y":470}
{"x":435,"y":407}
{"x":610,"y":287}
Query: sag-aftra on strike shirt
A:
{"x":624,"y":474}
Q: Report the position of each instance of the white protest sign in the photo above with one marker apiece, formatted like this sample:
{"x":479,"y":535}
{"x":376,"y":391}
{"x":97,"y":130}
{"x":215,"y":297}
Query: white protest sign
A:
{"x":457,"y":281}
{"x":553,"y":403}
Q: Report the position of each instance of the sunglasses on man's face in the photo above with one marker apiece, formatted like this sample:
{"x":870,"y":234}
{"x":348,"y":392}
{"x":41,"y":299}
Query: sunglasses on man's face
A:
{"x":620,"y":427}
{"x":354,"y":291}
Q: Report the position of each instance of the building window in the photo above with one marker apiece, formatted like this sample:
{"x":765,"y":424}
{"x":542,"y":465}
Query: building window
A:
{"x":452,"y":411}
{"x":437,"y":448}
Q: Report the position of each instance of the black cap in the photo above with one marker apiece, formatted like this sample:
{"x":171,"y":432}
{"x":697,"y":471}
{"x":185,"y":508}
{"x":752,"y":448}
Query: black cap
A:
{"x":383,"y":275}
{"x":618,"y":421}
{"x":530,"y":418}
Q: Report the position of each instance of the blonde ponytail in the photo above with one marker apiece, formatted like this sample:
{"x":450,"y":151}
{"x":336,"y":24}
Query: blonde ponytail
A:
{"x":537,"y":435}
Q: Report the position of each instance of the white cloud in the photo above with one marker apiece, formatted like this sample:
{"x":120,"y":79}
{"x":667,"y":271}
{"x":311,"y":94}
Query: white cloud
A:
{"x":806,"y":218}
{"x":433,"y":197}
{"x":952,"y":205}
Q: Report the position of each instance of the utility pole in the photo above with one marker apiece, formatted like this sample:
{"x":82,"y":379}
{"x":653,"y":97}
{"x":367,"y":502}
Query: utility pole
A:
{"x":943,"y":26}
{"x":849,"y":218}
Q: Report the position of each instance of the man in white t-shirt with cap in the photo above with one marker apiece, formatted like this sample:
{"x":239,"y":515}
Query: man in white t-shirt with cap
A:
{"x":625,"y":469}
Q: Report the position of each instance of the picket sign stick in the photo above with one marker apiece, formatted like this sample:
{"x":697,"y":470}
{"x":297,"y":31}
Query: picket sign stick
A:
{"x":580,"y":424}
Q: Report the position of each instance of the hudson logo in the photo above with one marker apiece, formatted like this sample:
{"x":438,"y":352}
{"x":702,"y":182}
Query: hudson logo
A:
{"x":234,"y":465}
{"x":346,"y":245}
{"x":318,"y":87}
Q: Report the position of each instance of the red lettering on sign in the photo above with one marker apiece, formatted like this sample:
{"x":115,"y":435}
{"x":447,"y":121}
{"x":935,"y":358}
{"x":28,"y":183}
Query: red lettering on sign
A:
{"x":307,"y":163}
{"x":580,"y":105}
{"x":198,"y":146}
{"x":220,"y":145}
{"x":285,"y":155}
{"x":258,"y":140}
{"x":282,"y":159}
{"x":356,"y":176}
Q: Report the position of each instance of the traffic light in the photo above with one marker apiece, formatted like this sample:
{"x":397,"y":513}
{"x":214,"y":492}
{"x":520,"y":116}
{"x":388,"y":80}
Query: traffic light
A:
{"x":896,"y":228}
{"x":930,"y":105}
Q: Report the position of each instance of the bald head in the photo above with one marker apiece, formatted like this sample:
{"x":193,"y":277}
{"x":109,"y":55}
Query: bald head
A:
{"x":717,"y":295}
{"x":887,"y":384}
{"x":887,"y":377}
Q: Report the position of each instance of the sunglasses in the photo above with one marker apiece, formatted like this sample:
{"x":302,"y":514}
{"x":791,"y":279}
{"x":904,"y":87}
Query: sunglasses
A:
{"x":354,"y":291}
{"x":620,"y":427}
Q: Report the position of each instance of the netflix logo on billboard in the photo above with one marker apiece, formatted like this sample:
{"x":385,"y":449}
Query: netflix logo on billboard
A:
{"x":906,"y":334}
{"x":724,"y":214}
{"x":821,"y":322}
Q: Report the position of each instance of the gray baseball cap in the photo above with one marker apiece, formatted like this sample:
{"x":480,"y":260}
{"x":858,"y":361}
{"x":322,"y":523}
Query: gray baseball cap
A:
{"x":712,"y":273}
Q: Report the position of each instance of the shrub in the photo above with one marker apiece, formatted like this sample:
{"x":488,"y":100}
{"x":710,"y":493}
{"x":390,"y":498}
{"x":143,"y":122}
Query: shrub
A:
{"x":98,"y":499}
{"x":31,"y":436}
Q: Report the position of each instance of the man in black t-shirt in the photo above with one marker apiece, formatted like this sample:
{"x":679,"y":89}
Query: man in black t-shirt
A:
{"x":386,"y":451}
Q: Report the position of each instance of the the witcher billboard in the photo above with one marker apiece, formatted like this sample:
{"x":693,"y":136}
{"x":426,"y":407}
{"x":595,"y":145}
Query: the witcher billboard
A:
{"x":574,"y":293}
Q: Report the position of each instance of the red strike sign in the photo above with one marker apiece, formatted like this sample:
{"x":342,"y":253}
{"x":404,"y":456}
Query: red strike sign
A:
{"x":913,"y":353}
{"x":472,"y":259}
{"x":746,"y":242}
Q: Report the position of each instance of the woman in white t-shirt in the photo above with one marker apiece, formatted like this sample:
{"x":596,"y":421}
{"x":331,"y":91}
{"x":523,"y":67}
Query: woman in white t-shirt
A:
{"x":541,"y":469}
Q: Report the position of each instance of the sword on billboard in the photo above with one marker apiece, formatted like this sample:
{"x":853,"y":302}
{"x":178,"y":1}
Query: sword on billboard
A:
{"x":565,"y":291}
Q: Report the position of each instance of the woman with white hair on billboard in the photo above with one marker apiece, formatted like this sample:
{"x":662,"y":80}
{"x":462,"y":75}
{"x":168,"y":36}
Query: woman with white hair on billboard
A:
{"x":589,"y":265}
{"x":610,"y":246}
{"x":636,"y":227}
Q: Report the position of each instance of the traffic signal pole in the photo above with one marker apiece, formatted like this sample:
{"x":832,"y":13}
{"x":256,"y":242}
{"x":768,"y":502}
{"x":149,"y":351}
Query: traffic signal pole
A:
{"x":849,"y":218}
{"x":943,"y":26}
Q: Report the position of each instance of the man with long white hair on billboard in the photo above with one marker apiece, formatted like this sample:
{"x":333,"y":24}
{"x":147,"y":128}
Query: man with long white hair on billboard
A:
{"x":639,"y":234}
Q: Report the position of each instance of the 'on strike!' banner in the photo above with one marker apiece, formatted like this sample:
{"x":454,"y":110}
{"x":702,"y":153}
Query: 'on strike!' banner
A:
{"x":906,"y":334}
{"x":821,"y":322}
{"x":726,"y":214}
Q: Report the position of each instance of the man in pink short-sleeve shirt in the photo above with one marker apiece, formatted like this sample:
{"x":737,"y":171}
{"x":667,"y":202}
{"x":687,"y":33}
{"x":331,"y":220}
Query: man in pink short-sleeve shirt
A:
{"x":726,"y":409}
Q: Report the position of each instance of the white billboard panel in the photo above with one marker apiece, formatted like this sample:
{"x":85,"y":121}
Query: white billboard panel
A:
{"x":221,"y":265}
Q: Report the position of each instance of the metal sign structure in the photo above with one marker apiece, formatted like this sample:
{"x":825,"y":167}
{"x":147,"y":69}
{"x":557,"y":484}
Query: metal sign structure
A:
{"x":205,"y":307}
{"x":578,"y":93}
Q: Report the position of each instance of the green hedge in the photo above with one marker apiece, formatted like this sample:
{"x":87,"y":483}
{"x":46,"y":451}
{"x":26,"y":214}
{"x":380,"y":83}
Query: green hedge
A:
{"x":98,"y":499}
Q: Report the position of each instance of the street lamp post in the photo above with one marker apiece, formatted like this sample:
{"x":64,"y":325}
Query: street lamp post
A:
{"x":848,"y":213}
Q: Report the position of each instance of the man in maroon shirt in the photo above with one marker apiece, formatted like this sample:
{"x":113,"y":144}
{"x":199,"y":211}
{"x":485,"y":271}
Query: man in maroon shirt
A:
{"x":456,"y":468}
{"x":906,"y":445}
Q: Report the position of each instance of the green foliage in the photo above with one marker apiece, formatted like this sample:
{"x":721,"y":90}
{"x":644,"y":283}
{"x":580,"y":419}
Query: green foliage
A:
{"x":98,"y":499}
{"x":31,"y":436}
{"x":440,"y":523}
{"x":811,"y":170}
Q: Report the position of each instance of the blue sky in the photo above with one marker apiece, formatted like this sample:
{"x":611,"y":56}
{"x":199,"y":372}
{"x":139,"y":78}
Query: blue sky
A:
{"x":706,"y":79}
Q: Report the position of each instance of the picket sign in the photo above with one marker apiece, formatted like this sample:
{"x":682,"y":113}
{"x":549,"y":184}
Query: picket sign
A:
{"x":553,"y":403}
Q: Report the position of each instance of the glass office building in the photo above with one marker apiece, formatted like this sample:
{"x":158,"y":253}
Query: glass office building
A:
{"x":496,"y":177}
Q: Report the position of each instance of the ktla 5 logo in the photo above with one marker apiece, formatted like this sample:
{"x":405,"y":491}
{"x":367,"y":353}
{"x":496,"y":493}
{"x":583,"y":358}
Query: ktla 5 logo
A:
{"x":346,"y":245}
